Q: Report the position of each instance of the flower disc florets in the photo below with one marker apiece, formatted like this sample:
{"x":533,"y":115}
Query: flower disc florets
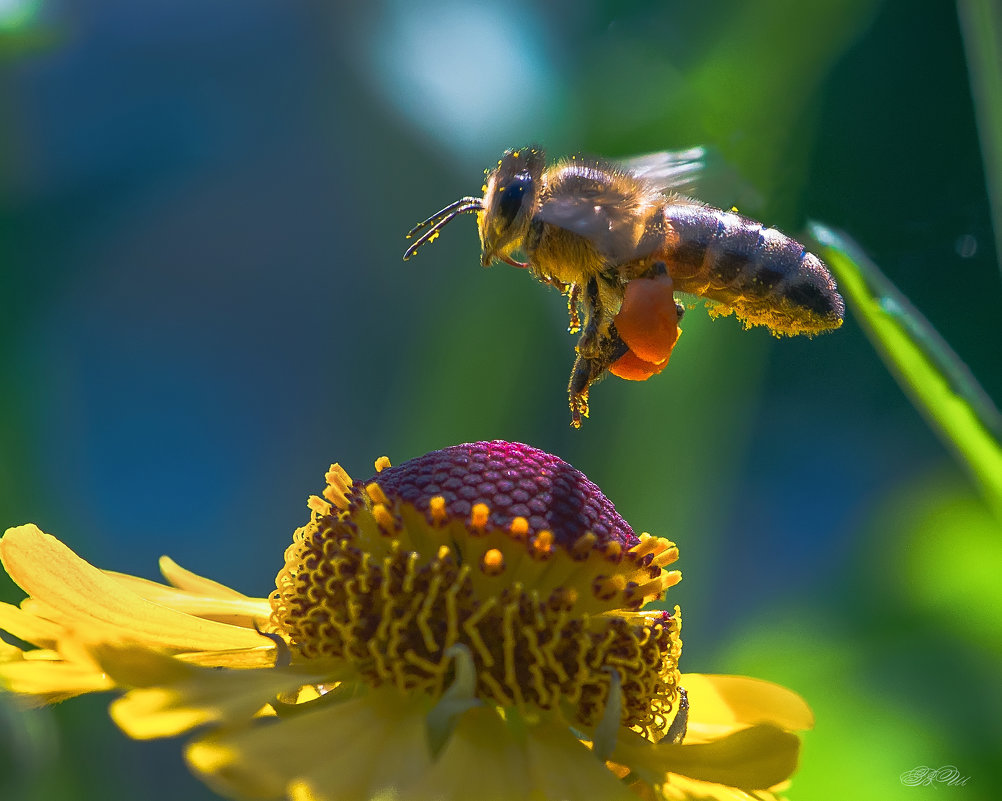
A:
{"x":503,"y":549}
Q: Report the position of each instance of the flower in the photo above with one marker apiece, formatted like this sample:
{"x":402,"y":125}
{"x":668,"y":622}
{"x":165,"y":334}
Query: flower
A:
{"x":467,"y":624}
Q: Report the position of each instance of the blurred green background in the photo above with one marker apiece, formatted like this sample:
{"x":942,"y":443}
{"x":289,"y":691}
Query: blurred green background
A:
{"x":203,"y":305}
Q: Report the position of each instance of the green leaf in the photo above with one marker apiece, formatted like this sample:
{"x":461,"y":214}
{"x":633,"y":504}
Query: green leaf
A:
{"x":981,"y":29}
{"x":938,"y":382}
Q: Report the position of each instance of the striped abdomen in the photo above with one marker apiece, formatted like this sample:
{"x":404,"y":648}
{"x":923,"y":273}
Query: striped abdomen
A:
{"x":763,"y":276}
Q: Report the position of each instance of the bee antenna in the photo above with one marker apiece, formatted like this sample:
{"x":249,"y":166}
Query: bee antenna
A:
{"x":438,"y":220}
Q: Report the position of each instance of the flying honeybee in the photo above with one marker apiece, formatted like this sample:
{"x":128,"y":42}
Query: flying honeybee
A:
{"x":619,"y":240}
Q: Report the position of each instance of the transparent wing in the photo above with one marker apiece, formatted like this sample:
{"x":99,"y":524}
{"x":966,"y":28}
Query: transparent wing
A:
{"x":701,"y":172}
{"x":609,"y":203}
{"x":676,"y":170}
{"x":599,"y":214}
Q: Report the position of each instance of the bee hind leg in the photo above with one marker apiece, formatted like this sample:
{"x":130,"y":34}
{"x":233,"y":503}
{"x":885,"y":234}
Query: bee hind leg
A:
{"x":596,"y":350}
{"x":573,"y":292}
{"x":591,"y":368}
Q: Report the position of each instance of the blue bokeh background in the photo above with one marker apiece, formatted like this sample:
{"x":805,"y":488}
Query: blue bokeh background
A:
{"x":203,"y":305}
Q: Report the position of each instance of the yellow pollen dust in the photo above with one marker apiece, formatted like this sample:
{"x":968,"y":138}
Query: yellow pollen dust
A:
{"x":479,"y":514}
{"x":492,"y":562}
{"x":382,"y":463}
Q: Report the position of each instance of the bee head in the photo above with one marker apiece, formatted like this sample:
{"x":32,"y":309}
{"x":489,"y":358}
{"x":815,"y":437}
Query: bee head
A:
{"x":509,"y":197}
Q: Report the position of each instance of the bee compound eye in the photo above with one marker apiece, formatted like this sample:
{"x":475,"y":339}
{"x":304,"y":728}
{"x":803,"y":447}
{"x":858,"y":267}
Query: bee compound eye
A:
{"x":511,"y":195}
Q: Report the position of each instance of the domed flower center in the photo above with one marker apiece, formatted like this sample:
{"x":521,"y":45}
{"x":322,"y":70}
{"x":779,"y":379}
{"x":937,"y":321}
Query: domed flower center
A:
{"x":503,"y":549}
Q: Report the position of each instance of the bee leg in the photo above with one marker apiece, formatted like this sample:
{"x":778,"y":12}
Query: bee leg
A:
{"x":590,"y":368}
{"x":573,"y":300}
{"x":577,"y":389}
{"x":676,"y":732}
{"x":595,"y":352}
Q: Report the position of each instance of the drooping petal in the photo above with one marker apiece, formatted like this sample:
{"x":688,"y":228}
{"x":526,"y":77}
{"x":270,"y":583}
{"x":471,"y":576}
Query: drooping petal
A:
{"x":171,"y":697}
{"x":80,"y":593}
{"x":263,"y":657}
{"x":348,"y":751}
{"x":482,"y":752}
{"x":754,"y":758}
{"x":8,"y":652}
{"x":46,"y":680}
{"x":561,"y":767}
{"x":28,"y":627}
{"x":240,"y":611}
{"x":682,"y":788}
{"x":719,"y":705}
{"x":194,"y":583}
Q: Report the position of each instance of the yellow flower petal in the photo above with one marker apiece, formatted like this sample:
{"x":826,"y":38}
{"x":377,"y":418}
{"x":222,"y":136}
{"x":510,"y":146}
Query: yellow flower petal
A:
{"x":563,"y":768}
{"x":28,"y":627}
{"x":379,"y":761}
{"x":263,"y":657}
{"x":347,"y":751}
{"x":173,"y":697}
{"x":515,"y":761}
{"x":48,"y":680}
{"x":719,"y":705}
{"x":241,"y":611}
{"x":8,"y":652}
{"x":682,"y":788}
{"x":193,"y":583}
{"x":754,"y":758}
{"x":49,"y":571}
{"x":482,"y":753}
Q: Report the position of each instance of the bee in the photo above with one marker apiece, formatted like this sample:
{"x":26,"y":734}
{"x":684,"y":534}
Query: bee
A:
{"x":620,"y":239}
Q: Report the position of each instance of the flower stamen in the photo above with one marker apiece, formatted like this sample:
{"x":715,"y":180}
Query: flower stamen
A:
{"x":479,"y":515}
{"x":384,"y":581}
{"x":492,"y":562}
{"x":376,"y":494}
{"x":437,"y":508}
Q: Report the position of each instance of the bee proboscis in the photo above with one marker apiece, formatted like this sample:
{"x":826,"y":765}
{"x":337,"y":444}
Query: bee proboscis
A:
{"x":619,"y":240}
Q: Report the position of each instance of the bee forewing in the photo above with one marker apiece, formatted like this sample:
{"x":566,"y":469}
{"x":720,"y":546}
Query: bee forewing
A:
{"x":676,"y":170}
{"x":599,"y":218}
